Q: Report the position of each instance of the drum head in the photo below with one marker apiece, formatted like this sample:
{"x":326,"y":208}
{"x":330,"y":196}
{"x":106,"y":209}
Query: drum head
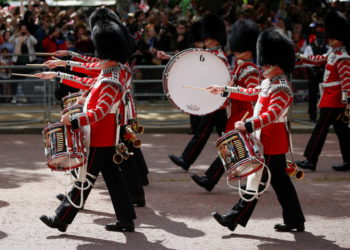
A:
{"x":197,"y":68}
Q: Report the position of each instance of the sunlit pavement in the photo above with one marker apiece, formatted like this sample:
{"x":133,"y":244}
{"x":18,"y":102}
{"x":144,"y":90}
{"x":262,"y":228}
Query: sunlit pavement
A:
{"x":177,"y":215}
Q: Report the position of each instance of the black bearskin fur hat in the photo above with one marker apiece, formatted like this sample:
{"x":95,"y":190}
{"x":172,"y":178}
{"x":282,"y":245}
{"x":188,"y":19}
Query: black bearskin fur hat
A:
{"x":275,"y":48}
{"x":110,"y":41}
{"x":103,"y":14}
{"x":337,"y":26}
{"x":244,"y":36}
{"x":196,"y":32}
{"x":214,"y":27}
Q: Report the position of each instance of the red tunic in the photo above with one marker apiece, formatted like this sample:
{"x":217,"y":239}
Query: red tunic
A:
{"x":336,"y":78}
{"x":127,"y":108}
{"x":270,"y":113}
{"x":101,"y":105}
{"x":246,"y":75}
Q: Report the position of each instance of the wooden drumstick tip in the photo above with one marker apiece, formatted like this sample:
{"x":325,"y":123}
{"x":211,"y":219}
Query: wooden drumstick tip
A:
{"x":245,"y":116}
{"x":44,"y":54}
{"x":36,"y":65}
{"x":193,"y":87}
{"x":26,"y":75}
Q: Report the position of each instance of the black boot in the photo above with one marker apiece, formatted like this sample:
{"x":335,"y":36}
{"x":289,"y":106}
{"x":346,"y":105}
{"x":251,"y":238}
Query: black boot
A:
{"x":227,"y":220}
{"x":139,"y":201}
{"x":145,"y":181}
{"x":342,"y":167}
{"x":239,"y":214}
{"x":305,"y":164}
{"x":121,"y":226}
{"x":54,"y":222}
{"x":289,"y":227}
{"x":60,"y":197}
{"x":203,"y":181}
{"x":179,"y":160}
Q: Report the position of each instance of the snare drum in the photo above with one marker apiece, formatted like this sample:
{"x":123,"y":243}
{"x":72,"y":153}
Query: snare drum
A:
{"x":198,"y":68}
{"x":239,"y":154}
{"x":70,"y":99}
{"x":64,"y":147}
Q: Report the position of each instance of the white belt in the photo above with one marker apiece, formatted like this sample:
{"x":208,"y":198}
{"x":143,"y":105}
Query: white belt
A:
{"x":330,"y":84}
{"x":281,"y":120}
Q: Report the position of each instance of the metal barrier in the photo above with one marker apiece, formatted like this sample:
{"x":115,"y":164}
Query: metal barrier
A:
{"x":147,"y":87}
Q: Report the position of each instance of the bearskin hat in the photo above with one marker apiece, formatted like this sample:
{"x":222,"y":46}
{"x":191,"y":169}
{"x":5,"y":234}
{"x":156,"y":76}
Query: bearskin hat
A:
{"x":214,"y":27}
{"x":110,"y":41}
{"x":244,"y":36}
{"x":103,"y":14}
{"x":337,"y":26}
{"x":196,"y":32}
{"x":275,"y":48}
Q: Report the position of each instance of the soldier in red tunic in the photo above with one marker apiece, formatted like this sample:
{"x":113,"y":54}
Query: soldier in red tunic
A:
{"x":245,"y":74}
{"x":335,"y":97}
{"x":273,"y":97}
{"x":99,"y":122}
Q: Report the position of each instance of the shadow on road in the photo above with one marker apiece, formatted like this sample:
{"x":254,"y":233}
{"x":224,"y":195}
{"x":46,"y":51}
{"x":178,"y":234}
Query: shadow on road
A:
{"x":148,"y":218}
{"x":2,"y":235}
{"x":133,"y":241}
{"x":305,"y":240}
{"x":15,"y":179}
{"x":4,"y":204}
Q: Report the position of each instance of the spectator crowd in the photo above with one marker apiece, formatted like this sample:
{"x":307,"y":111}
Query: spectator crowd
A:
{"x":155,"y":25}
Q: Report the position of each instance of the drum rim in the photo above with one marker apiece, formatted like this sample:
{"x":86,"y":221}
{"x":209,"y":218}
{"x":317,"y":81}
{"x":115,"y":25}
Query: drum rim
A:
{"x":225,"y":136}
{"x":71,"y":95}
{"x":67,"y":109}
{"x":165,"y":78}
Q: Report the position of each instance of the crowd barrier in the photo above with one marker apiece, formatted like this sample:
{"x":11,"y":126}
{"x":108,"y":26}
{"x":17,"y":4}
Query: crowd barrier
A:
{"x":35,"y":100}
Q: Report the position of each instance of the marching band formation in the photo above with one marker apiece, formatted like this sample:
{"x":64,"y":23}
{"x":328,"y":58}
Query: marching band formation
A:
{"x":248,"y":105}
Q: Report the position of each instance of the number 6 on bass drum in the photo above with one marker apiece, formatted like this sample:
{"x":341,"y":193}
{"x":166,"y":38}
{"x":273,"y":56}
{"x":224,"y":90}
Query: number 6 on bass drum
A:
{"x":200,"y":69}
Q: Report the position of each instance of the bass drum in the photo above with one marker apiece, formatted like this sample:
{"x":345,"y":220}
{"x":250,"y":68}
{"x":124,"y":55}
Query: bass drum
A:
{"x":187,"y":72}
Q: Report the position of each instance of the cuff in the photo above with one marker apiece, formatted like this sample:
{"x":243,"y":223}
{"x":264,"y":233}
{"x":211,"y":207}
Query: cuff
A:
{"x":73,"y":63}
{"x":73,"y":54}
{"x":225,"y":93}
{"x":75,"y":123}
{"x":345,"y":96}
{"x":249,"y":127}
{"x":64,"y":76}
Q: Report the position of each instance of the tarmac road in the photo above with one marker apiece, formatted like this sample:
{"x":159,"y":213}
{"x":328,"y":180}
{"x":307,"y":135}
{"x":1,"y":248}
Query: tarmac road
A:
{"x":177,"y":215}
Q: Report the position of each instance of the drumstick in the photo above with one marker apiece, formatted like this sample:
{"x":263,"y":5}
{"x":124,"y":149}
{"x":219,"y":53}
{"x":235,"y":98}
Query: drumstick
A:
{"x":27,"y":75}
{"x":245,"y":116}
{"x":193,"y":87}
{"x":36,"y":65}
{"x":55,"y":58}
{"x":44,"y":54}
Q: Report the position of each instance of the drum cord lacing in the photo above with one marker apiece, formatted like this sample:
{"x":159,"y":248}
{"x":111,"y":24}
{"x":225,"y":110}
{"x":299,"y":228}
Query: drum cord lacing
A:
{"x":256,"y":195}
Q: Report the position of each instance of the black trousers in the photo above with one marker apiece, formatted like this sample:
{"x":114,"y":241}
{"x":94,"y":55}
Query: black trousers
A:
{"x":194,"y":122}
{"x":131,"y":169}
{"x":284,"y":189}
{"x":140,"y":162}
{"x":315,"y":75}
{"x":216,"y":119}
{"x":100,"y":160}
{"x":329,"y":116}
{"x":215,"y":171}
{"x":132,"y":176}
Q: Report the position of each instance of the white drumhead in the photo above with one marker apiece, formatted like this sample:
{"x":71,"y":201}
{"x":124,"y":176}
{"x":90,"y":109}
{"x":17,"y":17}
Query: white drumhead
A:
{"x":197,"y":68}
